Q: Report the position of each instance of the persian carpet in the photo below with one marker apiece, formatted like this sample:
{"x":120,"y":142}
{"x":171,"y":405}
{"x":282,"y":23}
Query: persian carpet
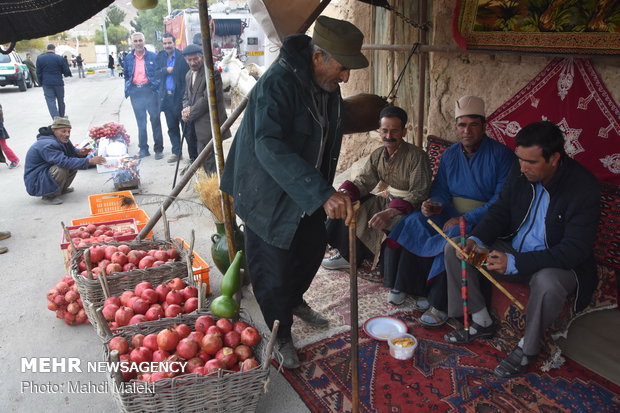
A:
{"x":570,"y":93}
{"x":329,"y":295}
{"x":554,"y":26}
{"x":440,"y":377}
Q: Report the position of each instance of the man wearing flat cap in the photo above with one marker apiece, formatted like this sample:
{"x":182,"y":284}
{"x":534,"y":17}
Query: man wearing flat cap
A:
{"x":52,"y":162}
{"x":470,"y":177}
{"x":195,"y":111}
{"x":281,"y":167}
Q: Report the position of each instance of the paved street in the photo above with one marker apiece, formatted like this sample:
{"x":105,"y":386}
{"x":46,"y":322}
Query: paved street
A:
{"x":34,"y":262}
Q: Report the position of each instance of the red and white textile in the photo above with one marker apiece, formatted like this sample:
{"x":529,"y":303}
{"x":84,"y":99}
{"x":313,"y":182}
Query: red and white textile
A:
{"x":570,"y":93}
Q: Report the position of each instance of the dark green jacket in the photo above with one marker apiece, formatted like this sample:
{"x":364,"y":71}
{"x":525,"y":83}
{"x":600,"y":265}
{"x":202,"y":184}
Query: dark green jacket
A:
{"x":271,"y":170}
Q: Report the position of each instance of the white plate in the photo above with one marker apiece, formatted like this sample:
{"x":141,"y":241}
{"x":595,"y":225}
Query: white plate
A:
{"x":382,"y":328}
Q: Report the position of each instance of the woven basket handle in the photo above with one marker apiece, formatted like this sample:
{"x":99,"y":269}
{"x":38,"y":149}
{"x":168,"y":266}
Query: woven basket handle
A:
{"x":270,"y":345}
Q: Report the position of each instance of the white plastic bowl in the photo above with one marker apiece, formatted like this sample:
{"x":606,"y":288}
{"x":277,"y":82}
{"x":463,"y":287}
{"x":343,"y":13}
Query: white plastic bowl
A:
{"x":400,"y":351}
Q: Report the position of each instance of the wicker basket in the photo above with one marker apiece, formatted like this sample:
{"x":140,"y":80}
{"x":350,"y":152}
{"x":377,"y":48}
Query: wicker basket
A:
{"x":225,"y":391}
{"x":91,"y":291}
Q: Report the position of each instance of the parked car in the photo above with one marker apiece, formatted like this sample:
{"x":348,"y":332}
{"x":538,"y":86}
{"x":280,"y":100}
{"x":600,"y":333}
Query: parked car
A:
{"x":14,"y":72}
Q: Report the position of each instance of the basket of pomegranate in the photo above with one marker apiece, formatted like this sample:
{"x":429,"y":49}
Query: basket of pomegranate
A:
{"x":192,"y":363}
{"x":106,"y":270}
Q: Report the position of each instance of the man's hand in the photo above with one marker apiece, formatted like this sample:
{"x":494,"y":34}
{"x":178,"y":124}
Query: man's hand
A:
{"x":338,"y":206}
{"x":450,"y":223}
{"x":96,"y":160}
{"x":169,"y":69}
{"x":462,"y":254}
{"x":83,"y":152}
{"x":497,"y":261}
{"x":185,"y":113}
{"x":381,"y":219}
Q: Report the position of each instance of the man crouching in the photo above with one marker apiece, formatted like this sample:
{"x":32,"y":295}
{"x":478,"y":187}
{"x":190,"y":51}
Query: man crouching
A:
{"x":52,"y":162}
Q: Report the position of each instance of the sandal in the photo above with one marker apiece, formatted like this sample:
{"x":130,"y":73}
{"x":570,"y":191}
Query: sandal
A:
{"x":515,"y":364}
{"x":433,"y":318}
{"x":459,"y":336}
{"x":421,"y":304}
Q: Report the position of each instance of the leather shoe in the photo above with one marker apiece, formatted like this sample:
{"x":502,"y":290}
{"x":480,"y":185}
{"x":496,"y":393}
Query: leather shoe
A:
{"x":290,"y":360}
{"x":158,"y":156}
{"x":5,"y":235}
{"x":515,"y":364}
{"x":310,"y":316}
{"x":3,"y":250}
{"x":51,"y":200}
{"x":68,"y":190}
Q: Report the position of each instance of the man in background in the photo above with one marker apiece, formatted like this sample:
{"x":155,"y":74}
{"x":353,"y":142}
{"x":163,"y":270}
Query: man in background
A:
{"x":142,"y":79}
{"x":171,"y":90}
{"x":32,"y":69}
{"x":50,"y":70}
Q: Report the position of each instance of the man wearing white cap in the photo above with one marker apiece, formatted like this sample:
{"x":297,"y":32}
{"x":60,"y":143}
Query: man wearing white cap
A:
{"x":281,"y":167}
{"x":470,"y":178}
{"x":52,"y":162}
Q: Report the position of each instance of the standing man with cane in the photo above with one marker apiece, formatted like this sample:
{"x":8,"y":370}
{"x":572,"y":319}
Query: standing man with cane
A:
{"x":281,"y":167}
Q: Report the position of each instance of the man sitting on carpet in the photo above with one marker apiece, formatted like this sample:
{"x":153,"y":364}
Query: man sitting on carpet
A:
{"x":470,"y":178}
{"x":400,"y":165}
{"x":541,"y":231}
{"x":52,"y":162}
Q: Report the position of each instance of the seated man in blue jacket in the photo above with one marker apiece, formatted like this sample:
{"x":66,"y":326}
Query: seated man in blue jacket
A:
{"x":52,"y":162}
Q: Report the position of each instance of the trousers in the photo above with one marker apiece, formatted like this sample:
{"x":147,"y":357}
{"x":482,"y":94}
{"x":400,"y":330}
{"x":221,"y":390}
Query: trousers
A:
{"x":549,"y":289}
{"x":280,"y":277}
{"x":54,"y":94}
{"x":145,"y":100}
{"x":63,"y":178}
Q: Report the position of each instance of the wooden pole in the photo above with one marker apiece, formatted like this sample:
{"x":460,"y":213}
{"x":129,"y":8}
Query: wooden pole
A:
{"x":355,"y":397}
{"x":479,"y":268}
{"x":422,"y":59}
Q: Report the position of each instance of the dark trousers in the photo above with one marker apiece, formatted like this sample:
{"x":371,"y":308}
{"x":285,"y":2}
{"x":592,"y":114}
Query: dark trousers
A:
{"x":192,"y":142}
{"x":172,"y":112}
{"x":338,"y":237}
{"x":145,"y":100}
{"x":52,"y":95}
{"x":405,"y":272}
{"x":280,"y":277}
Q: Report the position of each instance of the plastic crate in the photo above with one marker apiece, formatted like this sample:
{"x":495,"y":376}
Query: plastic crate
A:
{"x":111,"y":202}
{"x":199,"y":265}
{"x":118,"y":225}
{"x":139,"y":215}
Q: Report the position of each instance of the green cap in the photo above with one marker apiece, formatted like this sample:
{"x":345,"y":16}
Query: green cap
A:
{"x":60,"y":123}
{"x":342,"y":40}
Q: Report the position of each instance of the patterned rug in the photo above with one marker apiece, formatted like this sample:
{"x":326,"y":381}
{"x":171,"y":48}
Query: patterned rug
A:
{"x":441,"y":377}
{"x":329,"y":295}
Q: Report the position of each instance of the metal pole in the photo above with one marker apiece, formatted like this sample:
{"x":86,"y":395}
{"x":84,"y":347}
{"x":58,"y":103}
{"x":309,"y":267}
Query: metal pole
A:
{"x":105,"y":35}
{"x":169,"y":8}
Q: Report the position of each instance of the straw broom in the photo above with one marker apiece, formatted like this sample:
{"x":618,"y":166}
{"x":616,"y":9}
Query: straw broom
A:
{"x":208,"y":188}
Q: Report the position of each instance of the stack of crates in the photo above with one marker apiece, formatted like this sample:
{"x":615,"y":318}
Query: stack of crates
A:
{"x":114,"y":206}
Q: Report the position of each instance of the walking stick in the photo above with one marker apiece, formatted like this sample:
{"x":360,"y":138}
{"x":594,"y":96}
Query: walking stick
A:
{"x":354,"y":323}
{"x":478,"y":267}
{"x":176,"y":171}
{"x":464,"y":279}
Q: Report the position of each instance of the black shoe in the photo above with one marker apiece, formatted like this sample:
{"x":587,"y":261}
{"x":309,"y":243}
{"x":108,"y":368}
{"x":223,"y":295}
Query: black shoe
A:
{"x":290,"y":360}
{"x":310,"y":316}
{"x":144,"y":154}
{"x":515,"y":364}
{"x":158,"y":156}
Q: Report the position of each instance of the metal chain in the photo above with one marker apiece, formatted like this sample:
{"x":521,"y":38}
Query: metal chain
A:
{"x":423,"y":26}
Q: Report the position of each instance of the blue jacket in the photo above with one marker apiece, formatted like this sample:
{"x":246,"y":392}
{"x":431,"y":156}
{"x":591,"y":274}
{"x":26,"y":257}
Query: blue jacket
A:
{"x":179,"y":71}
{"x":51,"y":68}
{"x":271,"y":170}
{"x":44,"y":153}
{"x":152,"y":69}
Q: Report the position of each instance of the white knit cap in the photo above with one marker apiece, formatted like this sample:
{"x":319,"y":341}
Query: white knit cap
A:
{"x":469,"y":105}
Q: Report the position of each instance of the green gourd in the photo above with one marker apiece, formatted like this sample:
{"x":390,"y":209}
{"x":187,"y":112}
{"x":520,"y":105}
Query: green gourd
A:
{"x":225,"y":305}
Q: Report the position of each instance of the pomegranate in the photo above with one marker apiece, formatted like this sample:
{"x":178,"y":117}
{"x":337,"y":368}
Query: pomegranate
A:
{"x":232,"y":339}
{"x":97,"y":253}
{"x":214,"y":365}
{"x":197,"y":336}
{"x":183,"y":330}
{"x":224,"y":325}
{"x":250,"y":337}
{"x":141,"y":355}
{"x":112,"y":268}
{"x":189,"y":292}
{"x":200,"y":370}
{"x":134,"y":256}
{"x":150,"y":342}
{"x":173,"y":254}
{"x":124,"y":248}
{"x":249,"y":364}
{"x":59,"y":300}
{"x":129,"y":267}
{"x":174,"y":297}
{"x":211,"y":344}
{"x":215,"y":330}
{"x":137,"y":340}
{"x":173,"y":310}
{"x":138,"y":318}
{"x":187,"y":348}
{"x":167,"y":339}
{"x":150,"y":296}
{"x":140,"y":306}
{"x":204,"y":356}
{"x":109,"y":250}
{"x":193,"y":363}
{"x":51,"y":294}
{"x":203,"y":323}
{"x":123,"y":315}
{"x":160,"y":355}
{"x":103,"y":264}
{"x":146,"y":262}
{"x":176,"y":284}
{"x":73,"y":308}
{"x":51,"y":306}
{"x":81,"y":317}
{"x":112,"y":300}
{"x":71,"y":296}
{"x":154,"y":313}
{"x":239,"y":326}
{"x":125,"y":296}
{"x":62,"y":287}
{"x":160,"y":255}
{"x":119,"y":344}
{"x":243,"y":352}
{"x":162,"y":291}
{"x":190,"y":305}
{"x":119,"y":258}
{"x":144,"y":285}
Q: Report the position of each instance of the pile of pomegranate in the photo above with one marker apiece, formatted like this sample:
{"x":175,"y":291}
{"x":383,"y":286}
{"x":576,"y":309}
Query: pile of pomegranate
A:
{"x":204,"y":349}
{"x":122,"y":258}
{"x":109,"y":130}
{"x":65,"y":300}
{"x":93,"y":233}
{"x":149,"y":303}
